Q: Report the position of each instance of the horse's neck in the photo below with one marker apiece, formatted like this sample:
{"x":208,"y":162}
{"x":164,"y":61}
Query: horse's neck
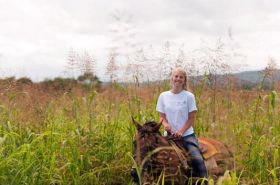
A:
{"x":162,"y":141}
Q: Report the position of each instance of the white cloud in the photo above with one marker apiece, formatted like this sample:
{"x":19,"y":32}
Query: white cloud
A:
{"x":36,"y":35}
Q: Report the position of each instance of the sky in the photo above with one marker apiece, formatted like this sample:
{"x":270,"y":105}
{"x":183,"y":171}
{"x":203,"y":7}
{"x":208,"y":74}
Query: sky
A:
{"x":36,"y":35}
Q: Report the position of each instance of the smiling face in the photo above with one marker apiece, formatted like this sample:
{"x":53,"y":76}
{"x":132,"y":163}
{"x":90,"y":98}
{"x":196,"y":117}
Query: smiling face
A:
{"x":178,"y":79}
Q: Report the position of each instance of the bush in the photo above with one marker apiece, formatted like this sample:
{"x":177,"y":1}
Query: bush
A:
{"x":59,"y":84}
{"x":24,"y":80}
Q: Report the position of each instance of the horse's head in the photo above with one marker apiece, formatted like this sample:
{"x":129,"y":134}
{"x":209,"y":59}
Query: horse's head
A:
{"x":148,"y":137}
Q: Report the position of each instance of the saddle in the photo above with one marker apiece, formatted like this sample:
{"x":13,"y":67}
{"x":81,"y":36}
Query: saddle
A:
{"x":207,"y":147}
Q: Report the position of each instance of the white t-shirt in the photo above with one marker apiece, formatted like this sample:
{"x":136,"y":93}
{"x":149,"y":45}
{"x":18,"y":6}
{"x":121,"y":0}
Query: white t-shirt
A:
{"x":177,"y":107}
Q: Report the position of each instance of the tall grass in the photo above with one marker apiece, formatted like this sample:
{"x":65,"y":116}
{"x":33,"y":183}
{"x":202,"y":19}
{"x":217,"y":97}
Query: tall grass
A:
{"x":87,"y":138}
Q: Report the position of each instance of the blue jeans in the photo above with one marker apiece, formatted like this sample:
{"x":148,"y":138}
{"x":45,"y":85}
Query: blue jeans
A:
{"x":190,"y":143}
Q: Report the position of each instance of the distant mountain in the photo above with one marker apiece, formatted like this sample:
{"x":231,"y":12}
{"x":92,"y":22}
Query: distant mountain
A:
{"x":253,"y":76}
{"x":244,"y":80}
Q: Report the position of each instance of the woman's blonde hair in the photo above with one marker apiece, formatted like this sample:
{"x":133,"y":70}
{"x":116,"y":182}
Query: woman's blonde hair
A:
{"x":184,"y":73}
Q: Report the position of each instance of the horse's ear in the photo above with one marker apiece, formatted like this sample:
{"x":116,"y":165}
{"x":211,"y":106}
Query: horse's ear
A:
{"x":138,"y":126}
{"x":157,"y":127}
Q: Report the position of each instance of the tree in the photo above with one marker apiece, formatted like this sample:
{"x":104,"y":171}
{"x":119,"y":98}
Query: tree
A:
{"x":89,"y":80}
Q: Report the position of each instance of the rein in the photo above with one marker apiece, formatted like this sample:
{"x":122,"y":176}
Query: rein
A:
{"x":180,"y":151}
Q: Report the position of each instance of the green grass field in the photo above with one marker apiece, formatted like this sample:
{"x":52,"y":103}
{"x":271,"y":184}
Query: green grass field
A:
{"x":72,"y":138}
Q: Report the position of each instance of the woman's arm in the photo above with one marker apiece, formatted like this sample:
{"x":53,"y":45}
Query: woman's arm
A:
{"x":187,"y":125}
{"x":164,"y":122}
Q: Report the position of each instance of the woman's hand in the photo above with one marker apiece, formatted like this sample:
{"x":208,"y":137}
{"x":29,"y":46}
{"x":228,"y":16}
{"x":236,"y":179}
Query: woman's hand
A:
{"x":180,"y":133}
{"x":167,"y":128}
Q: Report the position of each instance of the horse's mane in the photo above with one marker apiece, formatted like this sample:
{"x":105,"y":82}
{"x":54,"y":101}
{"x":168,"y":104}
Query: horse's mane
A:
{"x":151,"y":124}
{"x":150,"y":127}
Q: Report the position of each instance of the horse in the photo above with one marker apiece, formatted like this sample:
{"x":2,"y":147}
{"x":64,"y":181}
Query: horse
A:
{"x":160,"y":158}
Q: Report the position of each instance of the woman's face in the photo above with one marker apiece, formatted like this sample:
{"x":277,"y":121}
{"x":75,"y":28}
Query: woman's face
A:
{"x":178,"y":79}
